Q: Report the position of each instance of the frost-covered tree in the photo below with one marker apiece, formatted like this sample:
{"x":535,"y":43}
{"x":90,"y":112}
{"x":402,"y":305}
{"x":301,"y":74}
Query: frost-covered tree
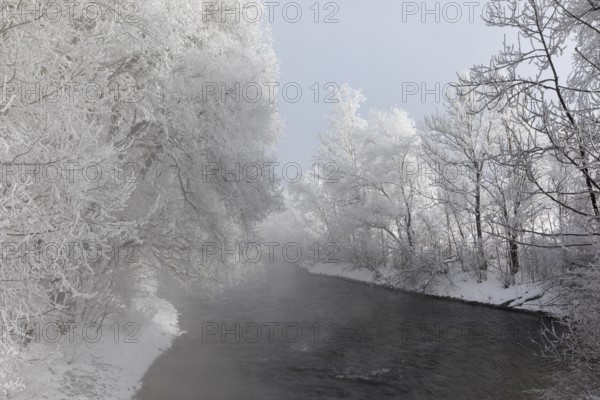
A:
{"x":546,"y":80}
{"x":204,"y":142}
{"x":458,"y":146}
{"x":106,"y":135}
{"x":525,"y":77}
{"x":370,"y":206}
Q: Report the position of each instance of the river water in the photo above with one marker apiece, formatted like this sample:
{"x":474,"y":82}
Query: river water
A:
{"x":299,"y":336}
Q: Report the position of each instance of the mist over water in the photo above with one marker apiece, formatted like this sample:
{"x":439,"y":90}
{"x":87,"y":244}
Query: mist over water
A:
{"x":301,"y":336}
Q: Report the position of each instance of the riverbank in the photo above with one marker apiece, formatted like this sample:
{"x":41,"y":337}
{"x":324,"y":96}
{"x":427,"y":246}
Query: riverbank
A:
{"x":105,"y":365}
{"x":527,"y":297}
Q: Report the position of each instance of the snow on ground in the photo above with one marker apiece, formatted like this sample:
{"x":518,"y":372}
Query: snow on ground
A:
{"x":111,"y":368}
{"x":460,"y":285}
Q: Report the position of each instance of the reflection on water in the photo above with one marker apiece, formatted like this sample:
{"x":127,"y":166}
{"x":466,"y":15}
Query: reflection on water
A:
{"x":300,"y":336}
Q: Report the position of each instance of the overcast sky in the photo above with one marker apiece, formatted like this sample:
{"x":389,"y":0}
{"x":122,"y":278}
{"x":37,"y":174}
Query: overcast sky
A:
{"x":382,"y":47}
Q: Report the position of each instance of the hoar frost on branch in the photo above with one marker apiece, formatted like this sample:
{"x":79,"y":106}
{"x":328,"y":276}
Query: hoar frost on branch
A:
{"x":505,"y":179}
{"x":146,"y":139}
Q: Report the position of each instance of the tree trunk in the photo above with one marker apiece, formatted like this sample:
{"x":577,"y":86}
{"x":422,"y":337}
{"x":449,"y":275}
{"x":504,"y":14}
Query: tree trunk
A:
{"x":514,"y":253}
{"x":481,"y":255}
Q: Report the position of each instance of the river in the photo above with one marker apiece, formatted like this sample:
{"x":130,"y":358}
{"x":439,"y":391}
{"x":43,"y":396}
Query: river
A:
{"x":293,"y":335}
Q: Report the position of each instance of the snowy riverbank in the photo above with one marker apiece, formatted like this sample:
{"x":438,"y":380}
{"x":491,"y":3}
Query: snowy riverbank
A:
{"x":531,"y":297}
{"x":109,"y":369}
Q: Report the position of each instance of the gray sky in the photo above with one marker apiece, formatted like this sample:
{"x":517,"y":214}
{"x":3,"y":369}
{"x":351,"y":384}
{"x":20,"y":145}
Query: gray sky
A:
{"x":381,"y":47}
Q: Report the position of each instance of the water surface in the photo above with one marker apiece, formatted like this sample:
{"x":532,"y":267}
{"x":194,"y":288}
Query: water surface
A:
{"x":356,"y":342}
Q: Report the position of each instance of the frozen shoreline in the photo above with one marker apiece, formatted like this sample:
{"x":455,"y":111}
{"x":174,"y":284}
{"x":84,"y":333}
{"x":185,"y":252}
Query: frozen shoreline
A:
{"x":527,"y":297}
{"x":110,"y":369}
